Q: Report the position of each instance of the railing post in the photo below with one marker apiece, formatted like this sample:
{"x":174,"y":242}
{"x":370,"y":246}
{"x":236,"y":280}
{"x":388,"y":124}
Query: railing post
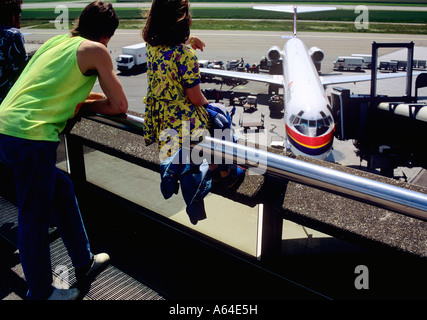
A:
{"x":75,"y":159}
{"x":270,"y":221}
{"x":270,"y":226}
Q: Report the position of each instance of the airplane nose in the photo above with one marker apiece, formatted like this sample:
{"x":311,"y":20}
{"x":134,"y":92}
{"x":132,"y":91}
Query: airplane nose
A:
{"x":312,"y":146}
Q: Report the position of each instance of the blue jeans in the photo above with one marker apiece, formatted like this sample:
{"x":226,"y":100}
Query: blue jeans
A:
{"x":43,"y":193}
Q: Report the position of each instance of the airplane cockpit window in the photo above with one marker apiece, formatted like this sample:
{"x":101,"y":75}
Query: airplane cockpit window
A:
{"x":302,"y":126}
{"x":311,"y":128}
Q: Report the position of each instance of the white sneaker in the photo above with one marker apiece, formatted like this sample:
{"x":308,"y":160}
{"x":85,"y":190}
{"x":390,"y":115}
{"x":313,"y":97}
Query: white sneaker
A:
{"x":99,"y":260}
{"x":64,"y":294}
{"x":88,"y":273}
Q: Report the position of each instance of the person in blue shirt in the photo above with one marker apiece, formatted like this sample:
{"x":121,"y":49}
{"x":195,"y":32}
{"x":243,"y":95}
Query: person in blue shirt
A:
{"x":13,"y":56}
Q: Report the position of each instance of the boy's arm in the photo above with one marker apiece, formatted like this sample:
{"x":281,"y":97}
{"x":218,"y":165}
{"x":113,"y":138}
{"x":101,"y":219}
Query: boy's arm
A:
{"x":94,"y":56}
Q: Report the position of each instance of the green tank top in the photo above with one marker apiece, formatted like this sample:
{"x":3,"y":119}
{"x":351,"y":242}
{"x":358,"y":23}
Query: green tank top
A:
{"x":47,"y":92}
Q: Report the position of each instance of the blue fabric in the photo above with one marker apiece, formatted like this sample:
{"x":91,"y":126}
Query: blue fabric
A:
{"x":220,"y":119}
{"x":195,"y":183}
{"x":13,"y":58}
{"x":43,"y":192}
{"x":219,"y":116}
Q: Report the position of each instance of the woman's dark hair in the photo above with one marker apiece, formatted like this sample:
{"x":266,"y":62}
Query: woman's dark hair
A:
{"x":98,"y":19}
{"x":9,"y":9}
{"x":168,"y":23}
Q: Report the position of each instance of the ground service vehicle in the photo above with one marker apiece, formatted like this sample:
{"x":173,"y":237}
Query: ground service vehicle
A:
{"x":388,"y":65}
{"x":133,"y":57}
{"x":349,"y":63}
{"x":367,"y":58}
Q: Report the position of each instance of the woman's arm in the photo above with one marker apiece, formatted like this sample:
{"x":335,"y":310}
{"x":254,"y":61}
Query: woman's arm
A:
{"x":196,"y":96}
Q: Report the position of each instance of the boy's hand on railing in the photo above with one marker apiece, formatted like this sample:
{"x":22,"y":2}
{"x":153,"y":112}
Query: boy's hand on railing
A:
{"x":81,"y":112}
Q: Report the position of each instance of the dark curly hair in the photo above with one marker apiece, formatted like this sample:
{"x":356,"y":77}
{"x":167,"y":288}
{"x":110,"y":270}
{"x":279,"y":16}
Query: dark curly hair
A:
{"x":168,"y":23}
{"x":9,"y":9}
{"x":98,"y":19}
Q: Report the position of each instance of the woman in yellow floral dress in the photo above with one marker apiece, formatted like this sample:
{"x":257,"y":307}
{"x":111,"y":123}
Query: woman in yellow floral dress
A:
{"x":175,"y":107}
{"x":174,"y":104}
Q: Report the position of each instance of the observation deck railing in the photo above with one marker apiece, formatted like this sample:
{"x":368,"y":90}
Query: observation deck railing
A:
{"x":277,"y":170}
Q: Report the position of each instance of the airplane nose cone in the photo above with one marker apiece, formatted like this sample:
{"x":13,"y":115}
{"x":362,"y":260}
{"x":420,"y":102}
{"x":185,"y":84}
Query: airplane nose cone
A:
{"x":317,"y":147}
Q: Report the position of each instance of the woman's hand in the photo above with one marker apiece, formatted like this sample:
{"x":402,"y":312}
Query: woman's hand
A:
{"x":196,"y":43}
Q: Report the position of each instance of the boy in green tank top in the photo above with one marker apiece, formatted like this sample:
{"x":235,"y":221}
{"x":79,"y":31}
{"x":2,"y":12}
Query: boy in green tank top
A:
{"x":58,"y":78}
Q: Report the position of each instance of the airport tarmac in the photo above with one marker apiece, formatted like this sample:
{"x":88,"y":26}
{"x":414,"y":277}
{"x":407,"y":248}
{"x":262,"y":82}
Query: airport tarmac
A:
{"x":251,"y":47}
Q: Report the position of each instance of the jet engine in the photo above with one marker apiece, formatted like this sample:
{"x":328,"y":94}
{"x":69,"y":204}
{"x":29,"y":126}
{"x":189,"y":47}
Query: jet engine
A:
{"x":274,"y":54}
{"x":317,"y":56}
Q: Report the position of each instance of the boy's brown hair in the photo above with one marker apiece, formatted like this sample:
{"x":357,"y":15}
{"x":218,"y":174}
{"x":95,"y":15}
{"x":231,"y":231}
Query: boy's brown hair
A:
{"x":98,"y":19}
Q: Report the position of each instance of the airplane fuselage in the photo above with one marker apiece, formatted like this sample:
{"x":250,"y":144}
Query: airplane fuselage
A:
{"x":308,"y":118}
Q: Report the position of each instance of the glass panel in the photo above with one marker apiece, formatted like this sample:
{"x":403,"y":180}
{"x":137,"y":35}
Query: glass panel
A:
{"x":227,"y":221}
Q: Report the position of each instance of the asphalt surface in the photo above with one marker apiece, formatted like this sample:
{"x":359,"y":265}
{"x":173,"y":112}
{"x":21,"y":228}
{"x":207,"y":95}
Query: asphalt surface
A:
{"x":252,"y":47}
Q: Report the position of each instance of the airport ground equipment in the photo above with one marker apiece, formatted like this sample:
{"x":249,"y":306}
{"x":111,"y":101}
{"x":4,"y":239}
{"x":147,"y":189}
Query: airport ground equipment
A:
{"x":251,"y":103}
{"x":247,"y":102}
{"x":276,"y":105}
{"x":395,"y":65}
{"x":367,"y":58}
{"x":213,"y":64}
{"x":236,"y":65}
{"x":349,"y":63}
{"x":246,"y":123}
{"x":133,"y":57}
{"x":388,"y":65}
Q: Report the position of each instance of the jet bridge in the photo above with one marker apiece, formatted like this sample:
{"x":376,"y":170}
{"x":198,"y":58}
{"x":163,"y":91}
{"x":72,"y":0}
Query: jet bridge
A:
{"x":388,"y":131}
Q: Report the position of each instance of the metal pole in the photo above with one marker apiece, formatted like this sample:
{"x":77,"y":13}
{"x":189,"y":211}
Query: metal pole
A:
{"x":380,"y":194}
{"x":123,"y":121}
{"x":374,"y":70}
{"x":409,"y":68}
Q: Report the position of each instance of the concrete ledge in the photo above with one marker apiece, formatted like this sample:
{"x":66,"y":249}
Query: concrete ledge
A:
{"x":326,"y":212}
{"x":355,"y":221}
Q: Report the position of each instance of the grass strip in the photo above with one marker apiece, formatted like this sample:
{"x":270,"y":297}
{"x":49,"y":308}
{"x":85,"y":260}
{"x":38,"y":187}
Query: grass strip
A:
{"x":249,"y":13}
{"x":403,"y":22}
{"x":282,"y":26}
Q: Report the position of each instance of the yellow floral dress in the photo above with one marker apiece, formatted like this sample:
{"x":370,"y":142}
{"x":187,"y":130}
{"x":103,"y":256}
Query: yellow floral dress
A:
{"x":170,"y":118}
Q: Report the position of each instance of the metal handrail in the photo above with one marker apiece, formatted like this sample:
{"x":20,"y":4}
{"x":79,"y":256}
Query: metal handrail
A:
{"x":380,"y":194}
{"x":122,"y":121}
{"x":404,"y":201}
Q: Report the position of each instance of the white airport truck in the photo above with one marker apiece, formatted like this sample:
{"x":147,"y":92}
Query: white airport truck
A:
{"x":367,"y":58}
{"x":355,"y":63}
{"x":133,"y":57}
